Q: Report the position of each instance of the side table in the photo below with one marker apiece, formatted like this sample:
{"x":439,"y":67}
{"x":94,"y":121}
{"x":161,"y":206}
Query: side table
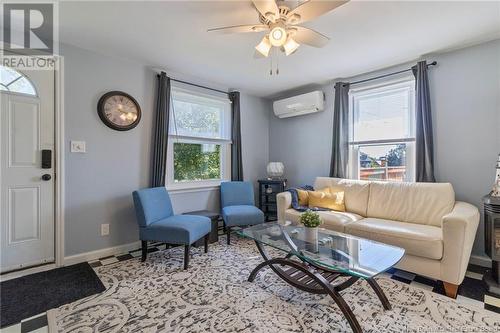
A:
{"x":214,"y":231}
{"x":491,"y":211}
{"x":268,"y":189}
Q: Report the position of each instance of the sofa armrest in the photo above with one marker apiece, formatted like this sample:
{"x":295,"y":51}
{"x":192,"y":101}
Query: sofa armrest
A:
{"x":459,"y":231}
{"x":284,"y":202}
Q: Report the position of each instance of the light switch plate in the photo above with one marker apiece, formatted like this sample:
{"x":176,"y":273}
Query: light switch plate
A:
{"x":78,"y":147}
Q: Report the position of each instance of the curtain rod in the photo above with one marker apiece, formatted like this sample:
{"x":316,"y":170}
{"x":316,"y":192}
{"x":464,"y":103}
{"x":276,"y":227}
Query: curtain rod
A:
{"x":390,"y":74}
{"x":196,"y":85}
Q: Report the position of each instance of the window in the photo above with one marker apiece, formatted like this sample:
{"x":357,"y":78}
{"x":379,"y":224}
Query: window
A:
{"x":382,"y":132}
{"x":199,"y":140}
{"x":15,"y":82}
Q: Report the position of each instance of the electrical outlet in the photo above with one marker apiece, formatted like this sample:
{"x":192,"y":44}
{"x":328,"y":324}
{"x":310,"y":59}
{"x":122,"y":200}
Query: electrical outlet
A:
{"x":104,"y":229}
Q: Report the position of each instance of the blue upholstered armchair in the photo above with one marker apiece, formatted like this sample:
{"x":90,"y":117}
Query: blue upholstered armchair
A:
{"x":238,"y":206}
{"x":157,"y":222}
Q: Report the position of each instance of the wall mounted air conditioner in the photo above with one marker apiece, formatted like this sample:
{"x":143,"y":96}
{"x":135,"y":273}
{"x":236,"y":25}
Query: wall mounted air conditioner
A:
{"x":299,"y":105}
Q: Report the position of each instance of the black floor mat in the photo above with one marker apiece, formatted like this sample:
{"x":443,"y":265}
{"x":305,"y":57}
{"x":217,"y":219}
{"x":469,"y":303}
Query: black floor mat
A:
{"x":30,"y":295}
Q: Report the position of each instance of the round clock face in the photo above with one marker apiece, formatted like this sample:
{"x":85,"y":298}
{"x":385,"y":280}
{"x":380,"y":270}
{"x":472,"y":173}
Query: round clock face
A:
{"x":119,"y":110}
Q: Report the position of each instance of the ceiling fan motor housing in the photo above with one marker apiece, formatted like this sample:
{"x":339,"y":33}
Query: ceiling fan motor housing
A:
{"x":278,"y":34}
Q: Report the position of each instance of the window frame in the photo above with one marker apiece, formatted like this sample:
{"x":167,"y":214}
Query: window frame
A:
{"x":403,"y":83}
{"x":225,"y":142}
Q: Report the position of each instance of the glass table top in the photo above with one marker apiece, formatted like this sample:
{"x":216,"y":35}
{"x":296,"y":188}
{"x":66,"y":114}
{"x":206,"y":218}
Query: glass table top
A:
{"x":330,"y":249}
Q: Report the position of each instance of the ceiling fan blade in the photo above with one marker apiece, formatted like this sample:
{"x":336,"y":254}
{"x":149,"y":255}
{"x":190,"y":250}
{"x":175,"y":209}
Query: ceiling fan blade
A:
{"x":311,"y":9}
{"x":235,"y":29}
{"x":310,"y":37}
{"x":258,"y":55}
{"x":267,"y":8}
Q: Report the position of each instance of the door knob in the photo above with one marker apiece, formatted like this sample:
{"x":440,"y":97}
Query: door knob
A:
{"x":46,"y":177}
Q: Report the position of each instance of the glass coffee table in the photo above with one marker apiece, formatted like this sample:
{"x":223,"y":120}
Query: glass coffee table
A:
{"x":314,"y":259}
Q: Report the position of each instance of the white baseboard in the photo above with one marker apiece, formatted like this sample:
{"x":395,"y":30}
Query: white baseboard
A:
{"x":480,"y":260}
{"x":93,"y":255}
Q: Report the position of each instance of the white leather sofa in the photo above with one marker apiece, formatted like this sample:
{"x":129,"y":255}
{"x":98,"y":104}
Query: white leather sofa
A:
{"x":436,"y":231}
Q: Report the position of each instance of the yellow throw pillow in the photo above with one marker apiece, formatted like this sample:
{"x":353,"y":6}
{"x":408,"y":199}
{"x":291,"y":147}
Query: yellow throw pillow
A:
{"x":303,"y":197}
{"x":327,"y":198}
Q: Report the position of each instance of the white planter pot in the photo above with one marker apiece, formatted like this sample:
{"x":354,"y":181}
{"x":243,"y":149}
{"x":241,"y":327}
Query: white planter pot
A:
{"x":311,"y":237}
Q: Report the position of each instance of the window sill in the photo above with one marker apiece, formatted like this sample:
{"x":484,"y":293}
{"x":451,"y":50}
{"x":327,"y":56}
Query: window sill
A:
{"x":193,"y":187}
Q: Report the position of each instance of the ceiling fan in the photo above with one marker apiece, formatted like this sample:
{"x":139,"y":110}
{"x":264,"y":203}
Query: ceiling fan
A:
{"x":282,"y":25}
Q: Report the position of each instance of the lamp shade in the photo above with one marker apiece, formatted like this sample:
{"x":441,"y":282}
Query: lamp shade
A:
{"x":290,"y":46}
{"x":264,"y":46}
{"x":275,"y":169}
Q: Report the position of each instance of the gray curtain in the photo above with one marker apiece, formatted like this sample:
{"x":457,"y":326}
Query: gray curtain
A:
{"x":424,"y":142}
{"x":236,"y":161}
{"x":160,"y":130}
{"x":340,"y":144}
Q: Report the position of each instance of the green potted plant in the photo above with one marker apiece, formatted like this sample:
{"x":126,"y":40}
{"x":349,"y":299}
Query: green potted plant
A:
{"x":311,"y":221}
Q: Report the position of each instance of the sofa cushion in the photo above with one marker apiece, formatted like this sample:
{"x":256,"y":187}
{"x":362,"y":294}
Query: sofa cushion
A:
{"x":242,"y":215}
{"x":327,"y":198}
{"x":332,"y":220}
{"x":417,"y":239}
{"x":303,"y":197}
{"x":355,"y":192}
{"x":422,"y":203}
{"x":177,"y":229}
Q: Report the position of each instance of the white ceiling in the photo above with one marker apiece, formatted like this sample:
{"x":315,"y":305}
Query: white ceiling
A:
{"x":365,"y":36}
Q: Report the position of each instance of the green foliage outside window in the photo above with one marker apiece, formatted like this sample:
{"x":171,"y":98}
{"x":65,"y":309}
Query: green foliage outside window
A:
{"x":397,"y":156}
{"x":195,"y":161}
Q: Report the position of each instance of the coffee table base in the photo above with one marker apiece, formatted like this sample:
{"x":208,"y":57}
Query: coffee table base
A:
{"x":317,"y":280}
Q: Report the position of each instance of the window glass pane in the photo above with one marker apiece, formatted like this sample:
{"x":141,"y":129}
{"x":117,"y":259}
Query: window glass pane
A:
{"x":7,"y":75}
{"x":22,"y":86}
{"x":196,"y":161}
{"x":383,"y":162}
{"x":384,"y":115}
{"x":198,"y":117}
{"x":13,"y":81}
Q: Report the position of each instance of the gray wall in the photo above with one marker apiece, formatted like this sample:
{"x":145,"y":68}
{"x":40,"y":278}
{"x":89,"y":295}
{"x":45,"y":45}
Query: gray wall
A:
{"x":255,"y":137}
{"x":303,"y":143}
{"x":465,"y":90}
{"x":465,"y":96}
{"x":99,"y":183}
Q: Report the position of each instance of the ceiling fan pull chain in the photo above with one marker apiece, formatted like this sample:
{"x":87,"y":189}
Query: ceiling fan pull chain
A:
{"x":277,"y":63}
{"x":271,"y":67}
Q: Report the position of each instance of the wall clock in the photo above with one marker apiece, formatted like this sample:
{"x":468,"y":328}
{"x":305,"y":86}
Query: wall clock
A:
{"x":119,"y":110}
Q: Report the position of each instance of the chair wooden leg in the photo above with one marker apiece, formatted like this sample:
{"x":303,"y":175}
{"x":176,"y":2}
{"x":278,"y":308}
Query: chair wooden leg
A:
{"x":450,"y":289}
{"x":228,"y":233}
{"x":144,"y":247}
{"x":186,"y":256}
{"x":206,"y":242}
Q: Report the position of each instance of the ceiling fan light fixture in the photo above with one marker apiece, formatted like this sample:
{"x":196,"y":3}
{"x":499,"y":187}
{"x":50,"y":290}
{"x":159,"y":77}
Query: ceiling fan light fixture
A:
{"x":290,"y":46}
{"x":264,"y":46}
{"x":277,"y":36}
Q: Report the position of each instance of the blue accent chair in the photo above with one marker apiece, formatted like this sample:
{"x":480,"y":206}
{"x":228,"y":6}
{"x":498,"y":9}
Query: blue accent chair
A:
{"x":238,"y":206}
{"x":157,"y":222}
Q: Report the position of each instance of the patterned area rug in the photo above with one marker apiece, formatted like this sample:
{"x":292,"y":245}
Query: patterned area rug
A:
{"x":214,"y":296}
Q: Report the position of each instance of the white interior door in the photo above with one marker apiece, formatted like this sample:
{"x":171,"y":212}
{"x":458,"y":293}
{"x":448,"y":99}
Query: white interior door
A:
{"x":27,"y":189}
